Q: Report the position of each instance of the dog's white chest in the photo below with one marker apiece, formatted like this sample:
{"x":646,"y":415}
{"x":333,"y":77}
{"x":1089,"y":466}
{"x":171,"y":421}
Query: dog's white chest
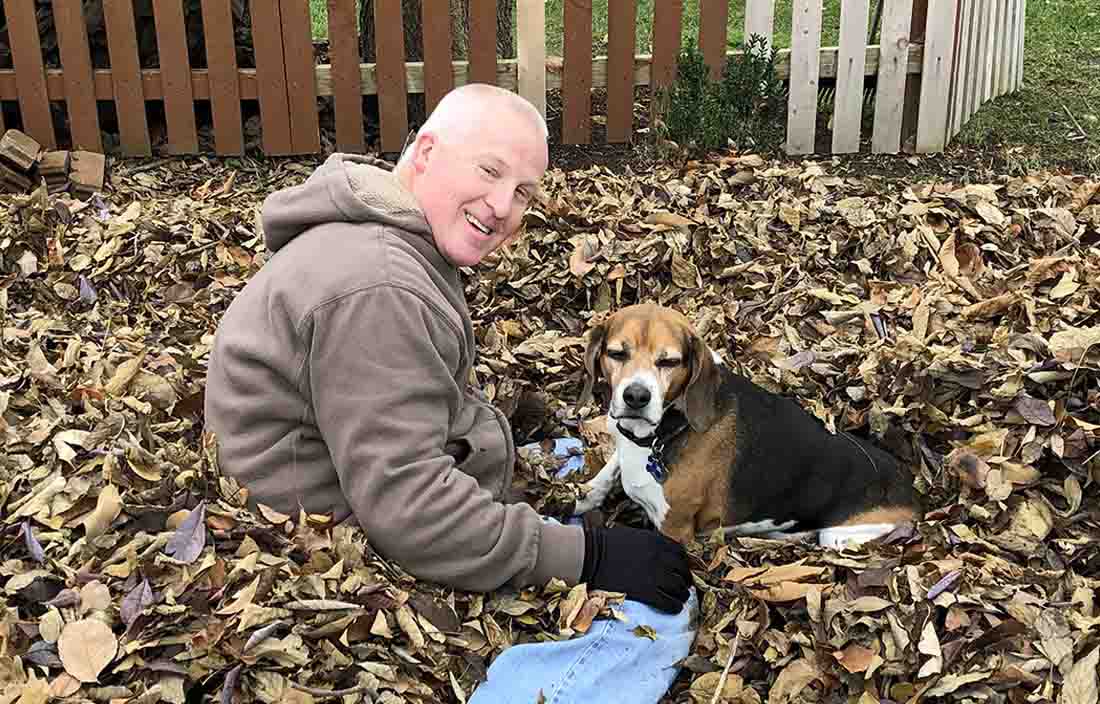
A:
{"x":639,"y":484}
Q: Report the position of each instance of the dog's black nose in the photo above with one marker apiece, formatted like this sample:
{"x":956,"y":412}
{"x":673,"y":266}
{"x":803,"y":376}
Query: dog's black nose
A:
{"x":636,"y":396}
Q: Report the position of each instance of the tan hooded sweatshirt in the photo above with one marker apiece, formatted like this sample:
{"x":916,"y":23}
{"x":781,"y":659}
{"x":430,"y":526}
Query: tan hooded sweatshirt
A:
{"x":338,"y":381}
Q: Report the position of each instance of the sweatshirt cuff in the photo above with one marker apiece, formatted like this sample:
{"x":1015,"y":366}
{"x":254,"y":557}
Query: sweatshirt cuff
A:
{"x":561,"y":554}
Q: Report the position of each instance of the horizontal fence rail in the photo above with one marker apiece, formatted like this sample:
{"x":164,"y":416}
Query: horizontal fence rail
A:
{"x":929,"y":63}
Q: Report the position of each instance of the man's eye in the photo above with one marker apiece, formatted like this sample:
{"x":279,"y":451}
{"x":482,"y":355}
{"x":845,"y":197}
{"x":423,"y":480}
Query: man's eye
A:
{"x":668,"y":363}
{"x":618,"y":355}
{"x":523,"y":195}
{"x":489,"y":171}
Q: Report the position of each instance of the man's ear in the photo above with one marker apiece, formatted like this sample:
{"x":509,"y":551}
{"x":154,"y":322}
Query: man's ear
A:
{"x":700,"y":397}
{"x":596,"y":339}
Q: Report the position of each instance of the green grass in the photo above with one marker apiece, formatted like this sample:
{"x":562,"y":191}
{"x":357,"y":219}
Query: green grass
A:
{"x":1061,"y":78}
{"x":1039,"y":122}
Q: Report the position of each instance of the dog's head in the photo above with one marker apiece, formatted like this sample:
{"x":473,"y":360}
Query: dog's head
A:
{"x":652,"y":358}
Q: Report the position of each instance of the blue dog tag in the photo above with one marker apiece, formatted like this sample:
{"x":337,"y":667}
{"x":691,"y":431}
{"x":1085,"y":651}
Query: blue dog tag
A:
{"x":656,"y":468}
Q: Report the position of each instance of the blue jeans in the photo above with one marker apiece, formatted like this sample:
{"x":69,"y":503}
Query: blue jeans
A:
{"x":608,"y":663}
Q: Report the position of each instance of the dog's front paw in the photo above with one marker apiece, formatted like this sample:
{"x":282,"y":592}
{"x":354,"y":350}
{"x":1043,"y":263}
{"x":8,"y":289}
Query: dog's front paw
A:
{"x":593,"y":499}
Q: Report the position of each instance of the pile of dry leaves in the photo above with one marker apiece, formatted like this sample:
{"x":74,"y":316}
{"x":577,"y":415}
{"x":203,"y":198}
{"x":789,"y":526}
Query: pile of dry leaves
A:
{"x":949,"y":321}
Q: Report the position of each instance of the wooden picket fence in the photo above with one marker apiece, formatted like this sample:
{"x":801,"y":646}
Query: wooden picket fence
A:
{"x":935,"y":63}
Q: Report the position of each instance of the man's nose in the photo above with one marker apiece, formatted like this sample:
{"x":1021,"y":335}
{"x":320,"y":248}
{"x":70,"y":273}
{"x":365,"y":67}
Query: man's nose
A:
{"x":636,"y":396}
{"x":500,"y":200}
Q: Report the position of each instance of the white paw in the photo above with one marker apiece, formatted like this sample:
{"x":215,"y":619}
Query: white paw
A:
{"x":593,"y":499}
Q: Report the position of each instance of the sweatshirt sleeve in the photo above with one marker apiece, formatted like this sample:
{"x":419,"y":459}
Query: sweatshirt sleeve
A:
{"x":380,"y":371}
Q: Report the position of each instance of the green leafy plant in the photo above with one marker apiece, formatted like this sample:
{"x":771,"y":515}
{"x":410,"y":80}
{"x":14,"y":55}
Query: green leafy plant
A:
{"x":745,"y":106}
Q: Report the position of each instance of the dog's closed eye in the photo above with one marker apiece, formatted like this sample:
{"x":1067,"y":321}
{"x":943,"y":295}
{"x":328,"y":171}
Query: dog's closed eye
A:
{"x":669,"y":362}
{"x":618,"y":355}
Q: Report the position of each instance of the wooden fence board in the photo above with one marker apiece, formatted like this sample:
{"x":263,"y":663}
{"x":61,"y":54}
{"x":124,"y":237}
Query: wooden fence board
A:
{"x":667,"y":16}
{"x":1010,"y":71}
{"x":347,"y":93}
{"x":224,"y":82}
{"x":301,"y":82}
{"x":892,"y":69}
{"x":392,"y":97}
{"x":805,"y":65}
{"x":1010,"y":39}
{"x":267,"y":44}
{"x":482,"y":43}
{"x":977,"y":61}
{"x":970,"y":80}
{"x":990,"y":54}
{"x":118,"y":16}
{"x":79,"y":84}
{"x":759,"y":19}
{"x":621,"y":42}
{"x":577,"y":72}
{"x":1020,"y":38}
{"x":936,"y":77}
{"x":30,"y":71}
{"x":175,"y":71}
{"x":848,"y":110}
{"x":1000,"y":40}
{"x":436,"y":29}
{"x":953,"y":71}
{"x":713,"y":18}
{"x":962,"y":58}
{"x":414,"y":76}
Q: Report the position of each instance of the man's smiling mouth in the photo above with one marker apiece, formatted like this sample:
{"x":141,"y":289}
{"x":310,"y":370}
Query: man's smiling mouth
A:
{"x":477,"y":224}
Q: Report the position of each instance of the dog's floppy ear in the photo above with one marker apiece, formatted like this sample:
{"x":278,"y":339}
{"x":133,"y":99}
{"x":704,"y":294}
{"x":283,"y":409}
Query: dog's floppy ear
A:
{"x":700,"y":396}
{"x":596,"y":340}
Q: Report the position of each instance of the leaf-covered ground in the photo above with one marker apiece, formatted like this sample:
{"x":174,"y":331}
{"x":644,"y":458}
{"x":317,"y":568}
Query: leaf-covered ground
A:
{"x":959,"y":325}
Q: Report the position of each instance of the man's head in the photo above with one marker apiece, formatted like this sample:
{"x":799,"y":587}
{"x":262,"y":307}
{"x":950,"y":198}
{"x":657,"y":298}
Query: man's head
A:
{"x":474,"y":167}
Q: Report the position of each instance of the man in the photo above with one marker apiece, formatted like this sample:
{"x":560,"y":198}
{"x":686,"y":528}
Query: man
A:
{"x":338,"y":381}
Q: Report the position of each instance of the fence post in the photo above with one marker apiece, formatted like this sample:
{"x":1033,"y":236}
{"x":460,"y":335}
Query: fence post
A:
{"x":531,"y":51}
{"x":911,"y":107}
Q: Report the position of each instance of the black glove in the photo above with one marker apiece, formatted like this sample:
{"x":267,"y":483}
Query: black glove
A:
{"x":643,"y":564}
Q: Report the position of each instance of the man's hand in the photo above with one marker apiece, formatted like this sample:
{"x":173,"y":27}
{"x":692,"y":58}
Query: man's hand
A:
{"x":645,"y":565}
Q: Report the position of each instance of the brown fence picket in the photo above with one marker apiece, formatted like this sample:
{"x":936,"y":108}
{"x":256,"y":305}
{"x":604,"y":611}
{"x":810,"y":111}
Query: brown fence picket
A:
{"x":133,"y":126}
{"x":621,"y":42}
{"x":390,"y":75}
{"x":481,"y":45}
{"x":438,"y":72}
{"x":577,"y":78}
{"x":225,"y":91}
{"x":175,"y":76}
{"x":713,"y":18}
{"x":76,"y":64}
{"x":30,"y":72}
{"x":347,"y":91}
{"x":267,"y":43}
{"x":666,"y":42}
{"x":301,"y":76}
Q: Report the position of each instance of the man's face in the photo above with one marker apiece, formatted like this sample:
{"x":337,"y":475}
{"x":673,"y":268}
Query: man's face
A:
{"x":474,"y":191}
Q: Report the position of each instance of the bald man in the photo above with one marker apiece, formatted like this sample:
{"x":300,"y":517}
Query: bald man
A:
{"x":339,"y":376}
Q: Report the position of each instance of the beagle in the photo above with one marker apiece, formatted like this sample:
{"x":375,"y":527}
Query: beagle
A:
{"x":700,"y":447}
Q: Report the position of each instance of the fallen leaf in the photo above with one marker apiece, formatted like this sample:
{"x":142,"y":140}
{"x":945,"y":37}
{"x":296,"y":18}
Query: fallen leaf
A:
{"x":86,"y":647}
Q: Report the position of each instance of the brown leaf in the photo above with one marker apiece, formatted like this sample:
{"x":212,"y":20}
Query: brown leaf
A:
{"x":1081,"y":685}
{"x":86,"y":647}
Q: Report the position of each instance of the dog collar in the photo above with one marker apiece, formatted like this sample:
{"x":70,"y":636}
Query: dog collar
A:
{"x":673,"y":422}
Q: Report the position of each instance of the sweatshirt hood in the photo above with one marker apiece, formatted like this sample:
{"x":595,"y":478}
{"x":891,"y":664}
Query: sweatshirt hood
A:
{"x":345,"y":188}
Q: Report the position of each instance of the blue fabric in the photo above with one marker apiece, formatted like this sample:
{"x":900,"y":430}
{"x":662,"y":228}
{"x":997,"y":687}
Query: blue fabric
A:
{"x":608,"y":663}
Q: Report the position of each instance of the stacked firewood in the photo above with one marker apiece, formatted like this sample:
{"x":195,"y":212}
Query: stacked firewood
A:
{"x":24,"y":166}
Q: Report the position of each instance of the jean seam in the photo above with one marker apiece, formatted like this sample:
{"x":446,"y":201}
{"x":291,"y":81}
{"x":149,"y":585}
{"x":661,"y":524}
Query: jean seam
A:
{"x":592,"y":647}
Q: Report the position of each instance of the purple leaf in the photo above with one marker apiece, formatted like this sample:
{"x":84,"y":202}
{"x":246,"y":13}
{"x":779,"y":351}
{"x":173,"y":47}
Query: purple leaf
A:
{"x":260,"y":635}
{"x":66,"y":597}
{"x":230,"y":684}
{"x":135,"y":602}
{"x":33,"y":546}
{"x":43,"y":653}
{"x":944,"y":584}
{"x":87,"y":291}
{"x":187,"y":542}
